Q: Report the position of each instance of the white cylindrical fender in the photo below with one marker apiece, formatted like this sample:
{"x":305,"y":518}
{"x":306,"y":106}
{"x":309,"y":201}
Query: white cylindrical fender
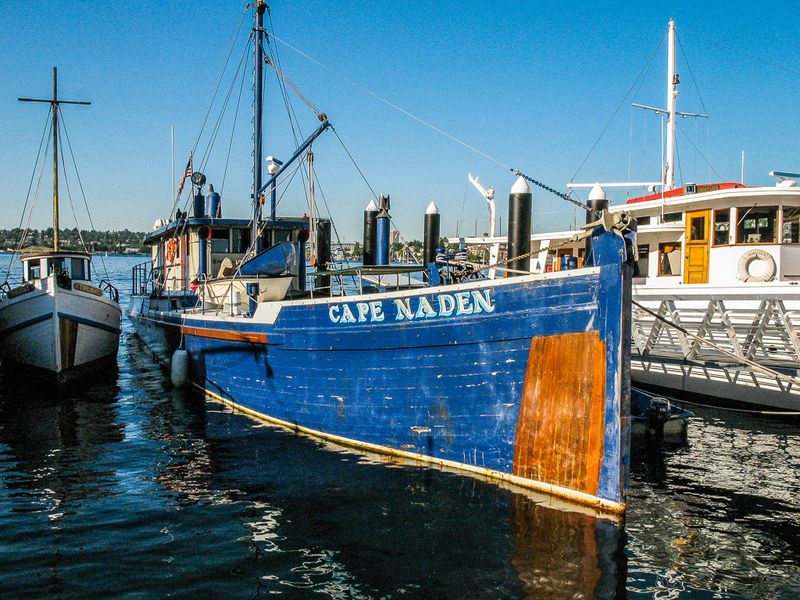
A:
{"x":748,"y":261}
{"x":179,"y":369}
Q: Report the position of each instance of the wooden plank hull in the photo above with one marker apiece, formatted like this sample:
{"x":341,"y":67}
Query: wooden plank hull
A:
{"x":521,"y":379}
{"x":61,"y":333}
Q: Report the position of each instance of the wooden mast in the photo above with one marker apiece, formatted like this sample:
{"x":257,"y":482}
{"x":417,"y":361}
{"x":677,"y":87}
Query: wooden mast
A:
{"x":55,"y":159}
{"x":55,"y":103}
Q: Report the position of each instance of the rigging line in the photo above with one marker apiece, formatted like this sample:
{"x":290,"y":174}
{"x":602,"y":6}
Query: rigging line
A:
{"x":290,"y":178}
{"x":463,"y":202}
{"x":355,"y":164}
{"x":294,"y":122}
{"x":221,"y":75}
{"x":69,"y":197}
{"x":80,"y":183}
{"x":392,"y":104}
{"x":233,"y":127}
{"x":333,"y":225}
{"x":756,"y":366}
{"x":630,"y":142}
{"x":45,"y":131}
{"x":275,"y":61}
{"x":698,"y":151}
{"x":300,"y":94}
{"x":35,"y":196}
{"x":621,"y":102}
{"x":215,"y":131}
{"x":694,"y":81}
{"x":285,"y":96}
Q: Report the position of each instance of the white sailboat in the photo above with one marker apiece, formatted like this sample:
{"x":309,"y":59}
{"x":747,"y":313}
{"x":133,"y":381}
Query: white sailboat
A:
{"x":57,"y":322}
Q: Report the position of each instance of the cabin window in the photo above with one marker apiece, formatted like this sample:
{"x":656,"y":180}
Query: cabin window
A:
{"x":34,"y":270}
{"x":791,"y":225}
{"x":673,"y":217}
{"x":643,"y":220}
{"x":642,"y":260}
{"x":669,"y":258}
{"x":722,"y":227}
{"x":240,"y":240}
{"x":56,"y":265}
{"x":79,"y":270}
{"x":220,"y":240}
{"x":697,"y":229}
{"x":757,"y":225}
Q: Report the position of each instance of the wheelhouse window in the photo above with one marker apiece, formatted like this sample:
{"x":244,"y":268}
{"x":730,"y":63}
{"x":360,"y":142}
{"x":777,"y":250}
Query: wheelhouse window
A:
{"x":34,"y":270}
{"x":642,"y":260}
{"x":669,"y":259}
{"x":80,"y":268}
{"x":56,"y":265}
{"x":791,"y":225}
{"x":757,"y":225}
{"x":240,"y":240}
{"x":220,"y":240}
{"x":722,"y":227}
{"x":673,"y":217}
{"x":643,"y":220}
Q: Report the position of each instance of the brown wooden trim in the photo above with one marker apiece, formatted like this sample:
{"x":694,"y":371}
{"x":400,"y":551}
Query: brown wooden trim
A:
{"x":226,"y":334}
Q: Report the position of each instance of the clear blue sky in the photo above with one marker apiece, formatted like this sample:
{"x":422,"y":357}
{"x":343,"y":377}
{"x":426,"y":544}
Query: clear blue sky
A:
{"x":530,"y":83}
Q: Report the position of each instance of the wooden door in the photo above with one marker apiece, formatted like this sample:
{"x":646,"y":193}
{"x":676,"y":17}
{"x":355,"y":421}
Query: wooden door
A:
{"x":697,"y":241}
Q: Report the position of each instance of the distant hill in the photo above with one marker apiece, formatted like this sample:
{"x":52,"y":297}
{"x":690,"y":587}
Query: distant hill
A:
{"x":123,"y":242}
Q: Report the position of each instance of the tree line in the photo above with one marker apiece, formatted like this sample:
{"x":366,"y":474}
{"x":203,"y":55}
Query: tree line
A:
{"x":124,"y":241}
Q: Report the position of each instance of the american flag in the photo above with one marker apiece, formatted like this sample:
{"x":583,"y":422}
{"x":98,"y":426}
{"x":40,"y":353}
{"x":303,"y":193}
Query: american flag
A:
{"x":187,"y":173}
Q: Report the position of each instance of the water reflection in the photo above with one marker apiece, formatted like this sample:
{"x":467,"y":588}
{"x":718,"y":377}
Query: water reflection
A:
{"x":56,"y":441}
{"x":720,"y":513}
{"x":132,"y":488}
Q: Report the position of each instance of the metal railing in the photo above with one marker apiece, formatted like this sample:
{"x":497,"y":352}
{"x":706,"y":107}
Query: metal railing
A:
{"x":110,"y":289}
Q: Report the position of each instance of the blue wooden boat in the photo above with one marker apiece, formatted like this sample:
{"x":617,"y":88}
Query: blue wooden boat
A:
{"x":523,"y":379}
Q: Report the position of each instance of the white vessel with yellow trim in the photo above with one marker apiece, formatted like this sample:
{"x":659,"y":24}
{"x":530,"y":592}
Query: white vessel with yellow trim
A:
{"x":720,"y":262}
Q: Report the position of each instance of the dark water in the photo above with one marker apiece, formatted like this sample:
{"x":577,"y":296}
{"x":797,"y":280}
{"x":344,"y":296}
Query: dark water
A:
{"x":130,"y":489}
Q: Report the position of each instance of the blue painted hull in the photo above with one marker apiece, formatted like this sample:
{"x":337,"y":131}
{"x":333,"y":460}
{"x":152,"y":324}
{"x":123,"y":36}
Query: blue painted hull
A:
{"x":447,"y":381}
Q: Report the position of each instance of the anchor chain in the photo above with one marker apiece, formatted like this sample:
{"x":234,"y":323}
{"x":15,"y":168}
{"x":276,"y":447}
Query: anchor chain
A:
{"x":547,"y":188}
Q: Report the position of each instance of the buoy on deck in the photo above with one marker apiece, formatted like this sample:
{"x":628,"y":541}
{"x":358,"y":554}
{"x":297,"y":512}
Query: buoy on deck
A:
{"x":179,"y":370}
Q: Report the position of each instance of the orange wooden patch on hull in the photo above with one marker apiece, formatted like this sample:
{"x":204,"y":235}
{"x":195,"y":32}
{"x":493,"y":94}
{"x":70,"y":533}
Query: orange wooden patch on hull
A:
{"x":560,"y":431}
{"x":224,"y":334}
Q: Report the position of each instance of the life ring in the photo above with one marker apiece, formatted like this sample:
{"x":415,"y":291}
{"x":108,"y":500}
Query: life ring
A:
{"x":748,"y":258}
{"x":172,"y":249}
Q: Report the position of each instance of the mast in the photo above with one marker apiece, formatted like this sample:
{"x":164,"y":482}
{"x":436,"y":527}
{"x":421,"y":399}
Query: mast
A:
{"x":258,"y":79}
{"x":672,"y":97}
{"x":54,"y":102}
{"x":55,"y":159}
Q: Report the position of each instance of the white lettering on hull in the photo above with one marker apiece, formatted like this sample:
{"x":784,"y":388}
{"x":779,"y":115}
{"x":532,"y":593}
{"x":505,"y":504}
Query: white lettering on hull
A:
{"x":413,"y":309}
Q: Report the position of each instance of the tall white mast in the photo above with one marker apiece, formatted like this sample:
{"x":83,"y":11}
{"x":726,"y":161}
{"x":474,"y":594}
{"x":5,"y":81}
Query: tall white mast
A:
{"x":672,"y":98}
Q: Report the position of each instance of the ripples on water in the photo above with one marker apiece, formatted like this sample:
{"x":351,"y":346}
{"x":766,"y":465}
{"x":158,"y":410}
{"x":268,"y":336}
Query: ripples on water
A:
{"x":130,"y":488}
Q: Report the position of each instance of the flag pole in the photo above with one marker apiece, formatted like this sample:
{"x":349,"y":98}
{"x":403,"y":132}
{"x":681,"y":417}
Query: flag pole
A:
{"x":172,"y":148}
